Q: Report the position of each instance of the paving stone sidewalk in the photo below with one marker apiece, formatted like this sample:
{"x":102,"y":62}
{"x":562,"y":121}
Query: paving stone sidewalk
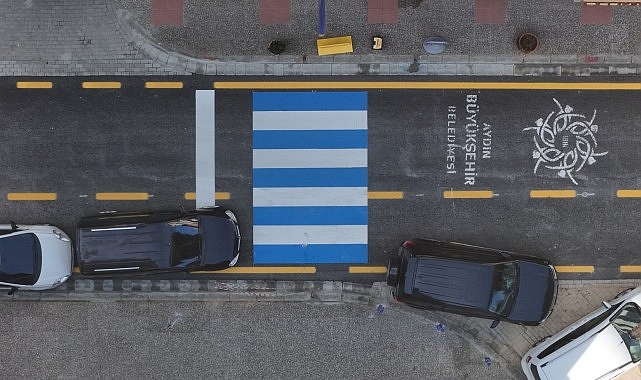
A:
{"x":220,"y":37}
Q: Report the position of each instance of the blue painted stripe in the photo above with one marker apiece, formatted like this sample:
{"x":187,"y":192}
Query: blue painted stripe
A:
{"x":311,"y":254}
{"x":326,"y":139}
{"x":310,"y":177}
{"x":310,"y":215}
{"x":310,"y":101}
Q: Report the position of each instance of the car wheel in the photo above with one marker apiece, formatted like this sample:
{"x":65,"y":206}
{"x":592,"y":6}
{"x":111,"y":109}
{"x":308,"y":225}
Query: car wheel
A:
{"x":392,"y":271}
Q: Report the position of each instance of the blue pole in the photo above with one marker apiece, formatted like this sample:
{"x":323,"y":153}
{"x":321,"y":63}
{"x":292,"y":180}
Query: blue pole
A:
{"x":321,"y":18}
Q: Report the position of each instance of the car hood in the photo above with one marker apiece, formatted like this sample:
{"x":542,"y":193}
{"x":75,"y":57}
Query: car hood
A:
{"x":218,"y":240}
{"x":535,"y":294}
{"x":450,"y":281}
{"x":598,"y":355}
{"x":57,"y":259}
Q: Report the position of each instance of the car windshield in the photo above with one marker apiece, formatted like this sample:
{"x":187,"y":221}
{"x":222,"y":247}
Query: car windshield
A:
{"x":20,"y":259}
{"x":185,"y":242}
{"x":504,"y":288}
{"x":628,"y":326}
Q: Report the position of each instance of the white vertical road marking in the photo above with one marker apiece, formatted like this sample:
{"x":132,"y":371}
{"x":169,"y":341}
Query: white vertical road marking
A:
{"x":205,"y":148}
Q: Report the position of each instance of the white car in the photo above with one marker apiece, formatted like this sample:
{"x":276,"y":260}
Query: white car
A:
{"x":602,"y":345}
{"x":34,"y":257}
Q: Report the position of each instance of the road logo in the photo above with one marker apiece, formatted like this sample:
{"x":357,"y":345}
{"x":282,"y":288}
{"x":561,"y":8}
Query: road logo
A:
{"x":565,"y":142}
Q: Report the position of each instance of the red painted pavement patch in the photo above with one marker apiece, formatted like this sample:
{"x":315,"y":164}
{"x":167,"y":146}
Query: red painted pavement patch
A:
{"x":167,"y":12}
{"x":489,"y":12}
{"x":382,"y":11}
{"x":274,"y":11}
{"x":596,"y":15}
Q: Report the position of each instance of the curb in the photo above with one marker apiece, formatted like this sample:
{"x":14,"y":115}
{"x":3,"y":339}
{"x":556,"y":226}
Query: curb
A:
{"x":210,"y":290}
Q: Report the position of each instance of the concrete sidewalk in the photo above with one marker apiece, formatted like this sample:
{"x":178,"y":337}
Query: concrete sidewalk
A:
{"x":219,"y":37}
{"x":505,"y":345}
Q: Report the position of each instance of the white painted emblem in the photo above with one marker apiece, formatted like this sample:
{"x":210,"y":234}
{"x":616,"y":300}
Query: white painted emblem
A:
{"x":565,"y":142}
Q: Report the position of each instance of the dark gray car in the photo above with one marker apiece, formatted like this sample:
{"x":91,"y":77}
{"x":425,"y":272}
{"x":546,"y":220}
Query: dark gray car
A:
{"x":158,"y":241}
{"x":474,"y":281}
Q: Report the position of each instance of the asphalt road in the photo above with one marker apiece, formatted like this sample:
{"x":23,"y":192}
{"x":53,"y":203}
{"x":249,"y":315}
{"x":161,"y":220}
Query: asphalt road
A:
{"x":196,"y":340}
{"x":77,"y":142}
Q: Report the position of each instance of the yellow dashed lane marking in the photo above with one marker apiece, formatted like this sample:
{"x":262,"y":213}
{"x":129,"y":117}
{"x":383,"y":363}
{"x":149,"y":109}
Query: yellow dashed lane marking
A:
{"x":467,"y":194}
{"x":263,"y":270}
{"x":163,"y":84}
{"x":629,"y":194}
{"x":122,"y":196}
{"x":97,"y":85}
{"x":32,"y":196}
{"x":34,"y":84}
{"x":553,"y":194}
{"x":427,"y":85}
{"x":365,"y":269}
{"x":630,"y":268}
{"x":574,"y":268}
{"x":385,"y":195}
{"x":223,"y":196}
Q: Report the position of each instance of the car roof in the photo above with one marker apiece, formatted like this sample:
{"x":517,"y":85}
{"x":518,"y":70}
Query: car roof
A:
{"x":143,"y":242}
{"x":450,"y":281}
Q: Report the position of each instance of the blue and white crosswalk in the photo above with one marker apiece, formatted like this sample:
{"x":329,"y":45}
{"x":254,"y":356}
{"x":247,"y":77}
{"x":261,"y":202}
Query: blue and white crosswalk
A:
{"x":310,"y":177}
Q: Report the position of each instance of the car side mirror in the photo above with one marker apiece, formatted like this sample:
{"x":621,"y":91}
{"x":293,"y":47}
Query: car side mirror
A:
{"x":14,"y":226}
{"x":606,"y":304}
{"x":505,"y":255}
{"x":495,"y":323}
{"x":11,"y":291}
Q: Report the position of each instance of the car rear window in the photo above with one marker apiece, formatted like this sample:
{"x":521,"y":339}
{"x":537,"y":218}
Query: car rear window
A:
{"x":20,"y":259}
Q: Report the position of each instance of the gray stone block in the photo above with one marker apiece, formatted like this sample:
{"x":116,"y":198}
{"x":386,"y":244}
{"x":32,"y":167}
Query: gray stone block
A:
{"x":620,"y":70}
{"x":328,"y":291}
{"x":456,"y":58}
{"x":400,"y":58}
{"x":83,"y":285}
{"x":617,"y":59}
{"x":346,"y":69}
{"x":464,"y":69}
{"x":242,"y":296}
{"x":430,"y":58}
{"x":255,"y":68}
{"x":482,"y":58}
{"x":107,"y":285}
{"x":127,"y":285}
{"x":310,"y":59}
{"x":317,"y":69}
{"x":536,"y":58}
{"x":564,"y":59}
{"x":492,"y":69}
{"x":293,"y":69}
{"x":145,"y":285}
{"x":291,"y":58}
{"x":285,"y":287}
{"x":356,"y":298}
{"x":442,"y":69}
{"x":163,"y":285}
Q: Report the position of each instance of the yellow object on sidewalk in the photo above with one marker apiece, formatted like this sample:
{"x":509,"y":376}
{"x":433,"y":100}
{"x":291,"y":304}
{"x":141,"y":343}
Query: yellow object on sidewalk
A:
{"x":334,"y":45}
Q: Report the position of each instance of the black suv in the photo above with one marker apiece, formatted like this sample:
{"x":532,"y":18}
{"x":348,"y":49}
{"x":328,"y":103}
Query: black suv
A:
{"x":473,"y":281}
{"x":164,"y":241}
